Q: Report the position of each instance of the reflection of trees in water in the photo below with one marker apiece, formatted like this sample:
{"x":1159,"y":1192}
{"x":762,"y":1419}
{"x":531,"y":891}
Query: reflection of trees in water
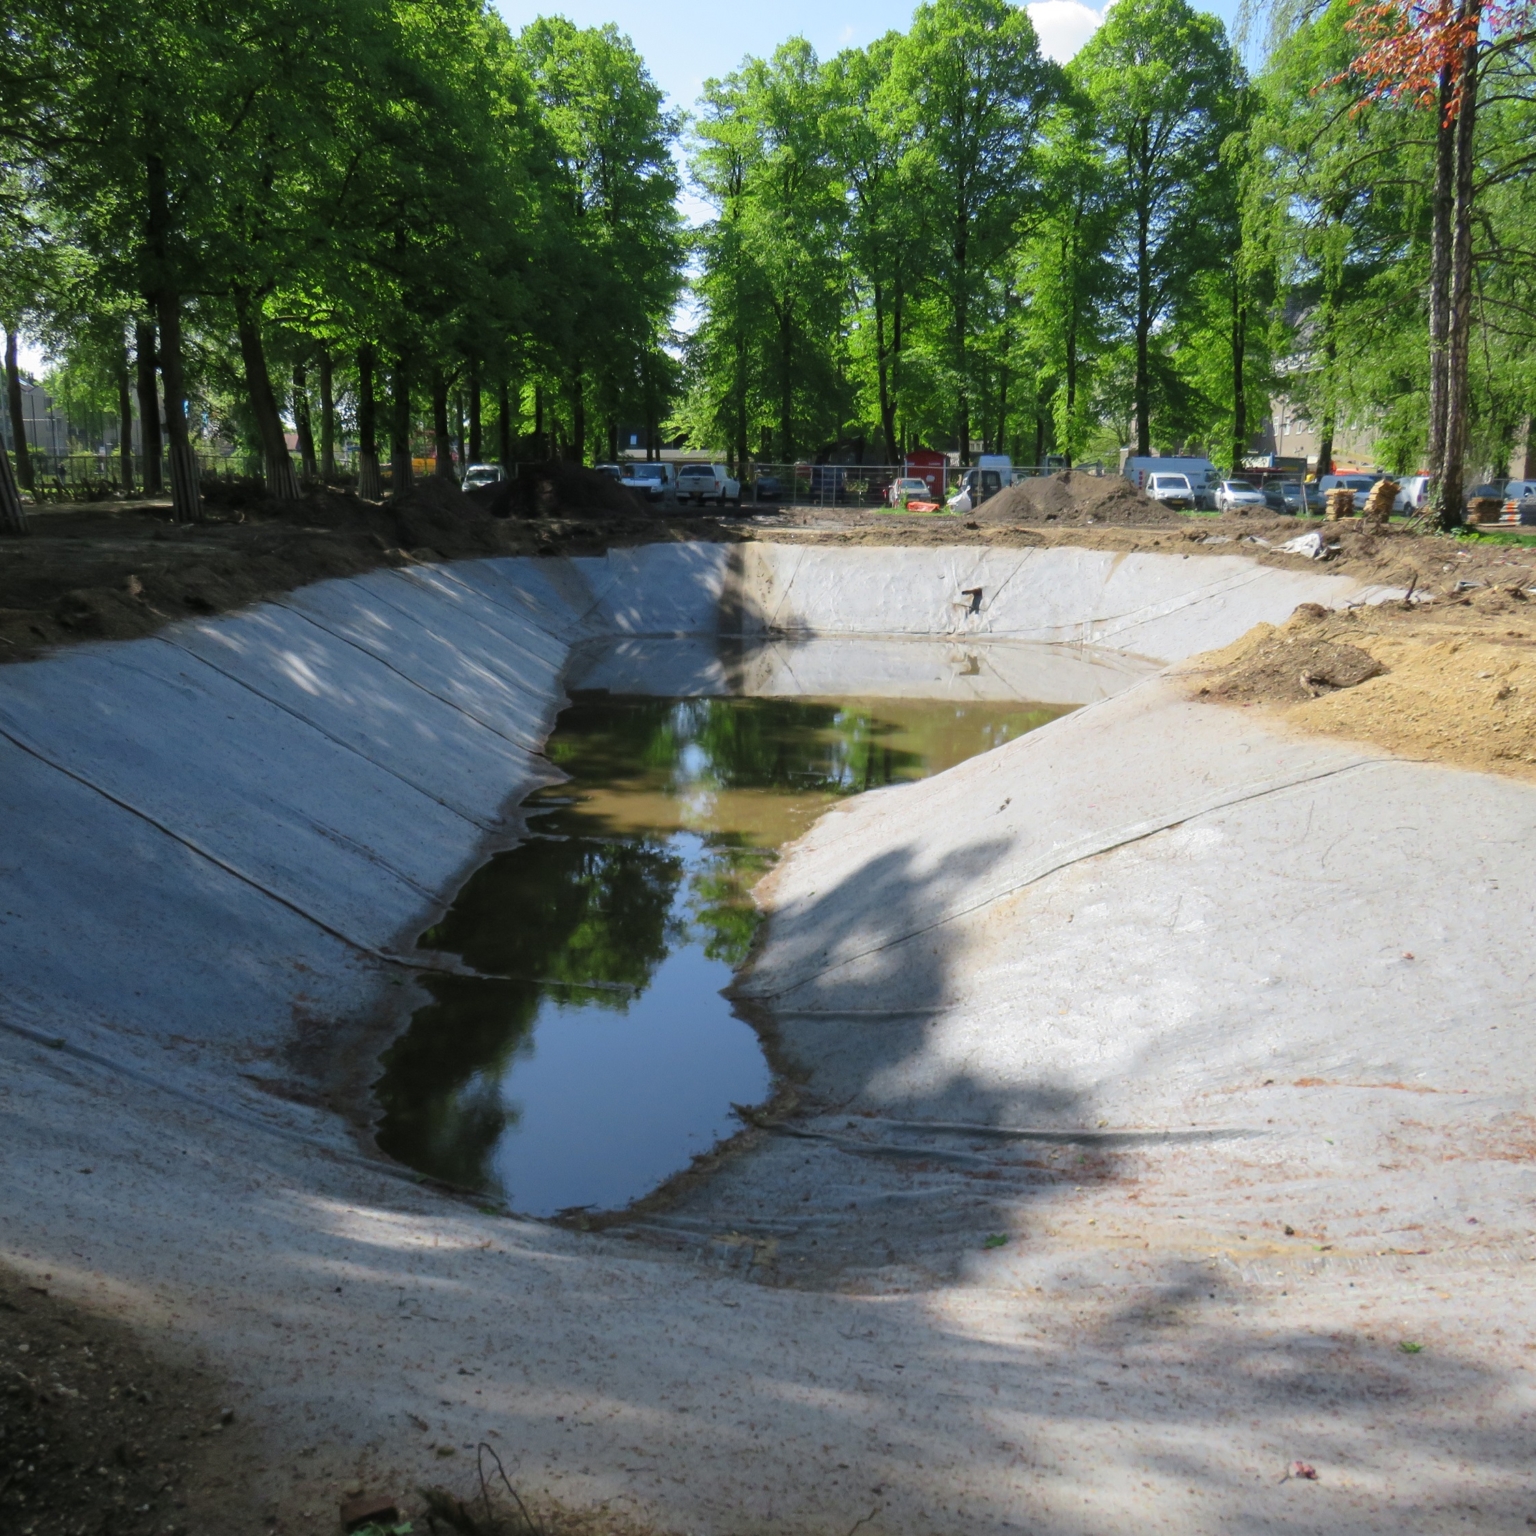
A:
{"x":568,"y":906}
{"x":443,"y":1110}
{"x":570,"y":909}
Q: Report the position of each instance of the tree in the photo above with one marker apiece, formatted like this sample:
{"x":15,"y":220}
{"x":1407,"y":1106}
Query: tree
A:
{"x":1162,"y":82}
{"x":979,"y":91}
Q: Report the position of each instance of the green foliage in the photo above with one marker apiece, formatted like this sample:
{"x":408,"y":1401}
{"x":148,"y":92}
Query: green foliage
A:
{"x":312,"y":176}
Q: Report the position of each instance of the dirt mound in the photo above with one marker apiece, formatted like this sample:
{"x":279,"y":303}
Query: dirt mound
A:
{"x":1452,"y":681}
{"x":1072,"y":498}
{"x":1296,"y":663}
{"x":554,"y":489}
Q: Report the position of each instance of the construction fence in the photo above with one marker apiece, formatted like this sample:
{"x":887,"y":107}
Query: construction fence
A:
{"x":871,"y":485}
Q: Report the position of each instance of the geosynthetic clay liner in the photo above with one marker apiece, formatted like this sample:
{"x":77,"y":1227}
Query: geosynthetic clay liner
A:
{"x":1165,"y":1000}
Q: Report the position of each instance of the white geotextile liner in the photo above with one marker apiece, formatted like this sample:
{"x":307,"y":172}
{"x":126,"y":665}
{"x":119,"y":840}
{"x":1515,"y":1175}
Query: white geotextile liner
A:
{"x":1156,"y":605}
{"x":107,"y":924}
{"x":1151,"y":900}
{"x":260,"y":799}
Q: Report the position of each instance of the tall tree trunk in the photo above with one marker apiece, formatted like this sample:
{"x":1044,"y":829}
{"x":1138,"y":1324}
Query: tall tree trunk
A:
{"x":786,"y":388}
{"x":1039,"y":435}
{"x":738,"y":401}
{"x":13,"y":516}
{"x":1239,"y":376}
{"x":282,"y":482}
{"x":1069,"y":445}
{"x":542,"y":448}
{"x":883,"y":378}
{"x":327,"y":418}
{"x":1143,"y":332}
{"x":613,"y":441}
{"x":458,"y":428}
{"x":476,"y":435}
{"x":370,"y":483}
{"x":124,"y":421}
{"x":1452,"y":467}
{"x":14,"y":399}
{"x":401,"y":471}
{"x":442,"y":444}
{"x":1529,"y":470}
{"x":578,"y":443}
{"x":1440,"y":265}
{"x":149,"y":405}
{"x":303,"y":425}
{"x":186,"y":501}
{"x":504,"y":405}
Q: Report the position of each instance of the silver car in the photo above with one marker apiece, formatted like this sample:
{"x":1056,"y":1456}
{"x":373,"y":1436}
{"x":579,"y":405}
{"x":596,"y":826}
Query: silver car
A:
{"x":1232,"y":495}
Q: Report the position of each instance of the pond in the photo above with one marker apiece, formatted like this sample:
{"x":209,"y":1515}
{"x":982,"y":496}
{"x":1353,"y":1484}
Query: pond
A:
{"x":594,"y":1055}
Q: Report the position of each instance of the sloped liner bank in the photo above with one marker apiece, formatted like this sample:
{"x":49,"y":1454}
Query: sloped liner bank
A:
{"x":1264,"y":981}
{"x":217,"y":832}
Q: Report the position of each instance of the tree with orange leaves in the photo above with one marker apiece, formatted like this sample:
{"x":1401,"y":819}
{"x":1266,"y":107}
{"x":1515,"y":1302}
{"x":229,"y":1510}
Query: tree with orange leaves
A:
{"x":1431,"y":53}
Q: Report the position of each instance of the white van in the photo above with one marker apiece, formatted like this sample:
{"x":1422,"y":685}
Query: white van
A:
{"x":1199,"y":472}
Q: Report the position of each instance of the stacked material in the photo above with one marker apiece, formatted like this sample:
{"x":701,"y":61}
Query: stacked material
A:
{"x":1378,"y":505}
{"x":1340,"y":503}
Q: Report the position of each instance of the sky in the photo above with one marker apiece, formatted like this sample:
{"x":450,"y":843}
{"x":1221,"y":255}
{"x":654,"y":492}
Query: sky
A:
{"x":686,"y":42}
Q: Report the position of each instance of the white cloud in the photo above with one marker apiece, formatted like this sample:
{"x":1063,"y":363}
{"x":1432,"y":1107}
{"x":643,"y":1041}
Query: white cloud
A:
{"x":1063,"y":25}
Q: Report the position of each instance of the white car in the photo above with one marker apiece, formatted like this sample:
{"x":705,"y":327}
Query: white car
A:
{"x":1171,"y":490}
{"x":1233,"y":494}
{"x":482,"y":474}
{"x":908,"y":489}
{"x":707,"y":482}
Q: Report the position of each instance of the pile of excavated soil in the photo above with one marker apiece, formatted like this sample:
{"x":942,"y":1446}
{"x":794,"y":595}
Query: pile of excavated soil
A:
{"x":96,"y":1435}
{"x":1073,"y":499}
{"x":543,"y":490}
{"x":1452,"y":681}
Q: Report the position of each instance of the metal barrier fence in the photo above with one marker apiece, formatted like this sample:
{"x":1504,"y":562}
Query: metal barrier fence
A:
{"x":83,"y":476}
{"x":873,"y":485}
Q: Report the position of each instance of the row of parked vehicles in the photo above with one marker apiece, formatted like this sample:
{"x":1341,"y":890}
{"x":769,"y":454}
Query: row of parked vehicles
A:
{"x":1195,"y":486}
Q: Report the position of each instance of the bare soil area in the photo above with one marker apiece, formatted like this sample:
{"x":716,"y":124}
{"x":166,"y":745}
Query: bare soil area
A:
{"x":1396,"y":556}
{"x":1452,"y":680}
{"x":99,"y":1436}
{"x":112,"y":571}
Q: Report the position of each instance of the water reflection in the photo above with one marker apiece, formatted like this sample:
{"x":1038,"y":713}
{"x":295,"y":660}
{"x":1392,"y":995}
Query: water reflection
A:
{"x":594,"y":1055}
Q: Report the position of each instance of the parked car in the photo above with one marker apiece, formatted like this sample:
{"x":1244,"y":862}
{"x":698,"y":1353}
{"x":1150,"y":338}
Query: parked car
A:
{"x":650,"y":479}
{"x":1171,"y":490}
{"x":1274,"y":497}
{"x":707,"y":482}
{"x":767,"y":488}
{"x":1520,"y":501}
{"x":907,"y":488}
{"x":483,"y":474}
{"x":1301,"y":497}
{"x":1413,"y":493}
{"x":613,"y":471}
{"x":1235,"y":495}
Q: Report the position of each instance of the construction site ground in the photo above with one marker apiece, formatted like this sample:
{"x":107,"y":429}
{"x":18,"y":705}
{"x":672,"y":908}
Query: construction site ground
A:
{"x":103,"y":1431}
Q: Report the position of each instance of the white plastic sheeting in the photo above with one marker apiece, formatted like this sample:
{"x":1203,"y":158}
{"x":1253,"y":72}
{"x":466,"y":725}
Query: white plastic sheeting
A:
{"x":207,"y":832}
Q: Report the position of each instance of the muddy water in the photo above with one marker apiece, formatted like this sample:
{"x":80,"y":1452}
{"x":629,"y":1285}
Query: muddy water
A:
{"x":594,"y":1056}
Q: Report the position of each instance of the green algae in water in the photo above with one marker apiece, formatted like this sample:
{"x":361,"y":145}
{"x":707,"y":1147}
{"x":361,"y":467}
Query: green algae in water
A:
{"x":593,"y":1055}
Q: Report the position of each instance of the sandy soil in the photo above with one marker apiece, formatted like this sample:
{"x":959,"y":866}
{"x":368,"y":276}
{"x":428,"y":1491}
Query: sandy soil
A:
{"x":1452,"y":680}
